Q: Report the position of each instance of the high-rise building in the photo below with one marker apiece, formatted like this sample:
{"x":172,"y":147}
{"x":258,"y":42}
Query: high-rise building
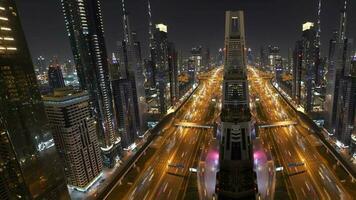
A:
{"x":236,"y":162}
{"x":346,"y":101}
{"x":220,"y":59}
{"x":29,"y":164}
{"x":160,"y":59}
{"x":125,"y":112}
{"x":339,"y":52}
{"x":75,"y":137}
{"x":197,"y":57}
{"x":306,"y":68}
{"x":84,"y":25}
{"x":41,"y":65}
{"x":173,"y":72}
{"x":132,"y":63}
{"x":55,"y":75}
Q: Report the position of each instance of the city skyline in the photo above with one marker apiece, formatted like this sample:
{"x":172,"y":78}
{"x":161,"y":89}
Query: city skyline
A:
{"x":173,"y":102}
{"x":50,"y":39}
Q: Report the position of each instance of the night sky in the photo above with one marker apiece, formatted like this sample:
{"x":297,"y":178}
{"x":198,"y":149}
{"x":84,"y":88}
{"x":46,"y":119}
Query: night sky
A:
{"x":190,"y":22}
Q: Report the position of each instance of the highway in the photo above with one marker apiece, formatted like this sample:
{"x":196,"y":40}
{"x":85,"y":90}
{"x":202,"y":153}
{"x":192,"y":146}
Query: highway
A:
{"x":308,"y":174}
{"x":164,"y":173}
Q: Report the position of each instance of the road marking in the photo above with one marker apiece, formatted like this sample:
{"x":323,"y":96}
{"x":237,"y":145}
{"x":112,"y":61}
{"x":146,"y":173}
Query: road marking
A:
{"x":169,"y":193}
{"x":146,"y":195}
{"x":165,"y":187}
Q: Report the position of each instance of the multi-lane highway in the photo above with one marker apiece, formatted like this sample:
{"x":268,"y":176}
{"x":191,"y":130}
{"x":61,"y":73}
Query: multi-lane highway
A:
{"x":307,"y":174}
{"x":165,"y":174}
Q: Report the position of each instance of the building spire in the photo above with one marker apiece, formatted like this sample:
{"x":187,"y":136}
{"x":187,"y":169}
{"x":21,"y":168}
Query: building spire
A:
{"x":150,"y":28}
{"x":343,"y":19}
{"x":318,"y":33}
{"x":127,"y":31}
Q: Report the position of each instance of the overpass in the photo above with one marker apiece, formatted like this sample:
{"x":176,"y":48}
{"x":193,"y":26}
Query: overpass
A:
{"x":277,"y":124}
{"x":194,"y":125}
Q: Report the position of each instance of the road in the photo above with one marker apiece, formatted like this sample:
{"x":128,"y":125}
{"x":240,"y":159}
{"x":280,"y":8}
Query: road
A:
{"x":309,"y":176}
{"x":165,"y":173}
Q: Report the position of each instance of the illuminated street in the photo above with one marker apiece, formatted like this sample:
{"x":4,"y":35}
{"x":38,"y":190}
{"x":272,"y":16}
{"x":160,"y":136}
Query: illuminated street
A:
{"x":306,"y":173}
{"x":163,"y":175}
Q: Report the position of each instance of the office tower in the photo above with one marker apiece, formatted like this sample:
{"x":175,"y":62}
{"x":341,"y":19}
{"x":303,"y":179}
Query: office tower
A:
{"x":84,"y":25}
{"x":207,"y":59}
{"x":249,"y":56}
{"x":346,"y":100}
{"x":160,"y":59}
{"x":305,"y":69}
{"x":235,"y":176}
{"x":273,"y":55}
{"x":55,"y":76}
{"x":197,"y":57}
{"x":75,"y":136}
{"x":30,"y":166}
{"x":125,"y":112}
{"x":173,"y":72}
{"x":353,"y":135}
{"x":263,"y":57}
{"x":132,"y":62}
{"x":192,"y":70}
{"x":338,"y":51}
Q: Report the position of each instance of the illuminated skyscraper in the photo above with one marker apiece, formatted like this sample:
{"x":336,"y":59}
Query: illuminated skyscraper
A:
{"x":85,"y":30}
{"x":236,"y":165}
{"x":160,"y":59}
{"x":75,"y":136}
{"x":29,"y":165}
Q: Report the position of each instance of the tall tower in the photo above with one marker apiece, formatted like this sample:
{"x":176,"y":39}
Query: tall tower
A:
{"x":75,"y":136}
{"x":84,"y":25}
{"x":235,"y":114}
{"x":134,"y":71}
{"x":235,"y":178}
{"x":339,"y":50}
{"x":29,"y":165}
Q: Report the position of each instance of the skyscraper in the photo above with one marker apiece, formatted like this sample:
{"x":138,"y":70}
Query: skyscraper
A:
{"x":305,"y":69}
{"x":160,"y":59}
{"x":132,"y":63}
{"x":41,"y":64}
{"x":123,"y":96}
{"x":55,"y":75}
{"x":339,"y":51}
{"x":236,"y":148}
{"x":75,"y":136}
{"x":84,"y":25}
{"x":29,"y":165}
{"x":173,"y":72}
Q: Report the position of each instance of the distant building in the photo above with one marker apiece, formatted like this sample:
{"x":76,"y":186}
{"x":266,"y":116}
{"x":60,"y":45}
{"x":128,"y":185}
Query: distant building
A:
{"x":235,"y":179}
{"x":55,"y":76}
{"x":197,"y":57}
{"x":173,"y":72}
{"x":29,"y":164}
{"x":75,"y":136}
{"x":41,"y":65}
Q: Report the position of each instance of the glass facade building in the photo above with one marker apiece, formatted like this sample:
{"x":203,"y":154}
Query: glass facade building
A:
{"x":29,"y":165}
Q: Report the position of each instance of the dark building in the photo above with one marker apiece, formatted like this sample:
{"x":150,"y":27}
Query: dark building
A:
{"x":235,"y":179}
{"x":41,"y":65}
{"x":160,"y":60}
{"x":338,"y":66}
{"x":173,"y":72}
{"x":125,"y":112}
{"x":29,"y":165}
{"x":85,"y":30}
{"x":55,"y":75}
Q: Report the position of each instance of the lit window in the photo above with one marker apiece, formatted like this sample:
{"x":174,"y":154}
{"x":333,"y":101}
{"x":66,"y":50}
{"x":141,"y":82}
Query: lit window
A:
{"x":8,"y":38}
{"x":11,"y":48}
{"x":5,"y":29}
{"x":4,"y":18}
